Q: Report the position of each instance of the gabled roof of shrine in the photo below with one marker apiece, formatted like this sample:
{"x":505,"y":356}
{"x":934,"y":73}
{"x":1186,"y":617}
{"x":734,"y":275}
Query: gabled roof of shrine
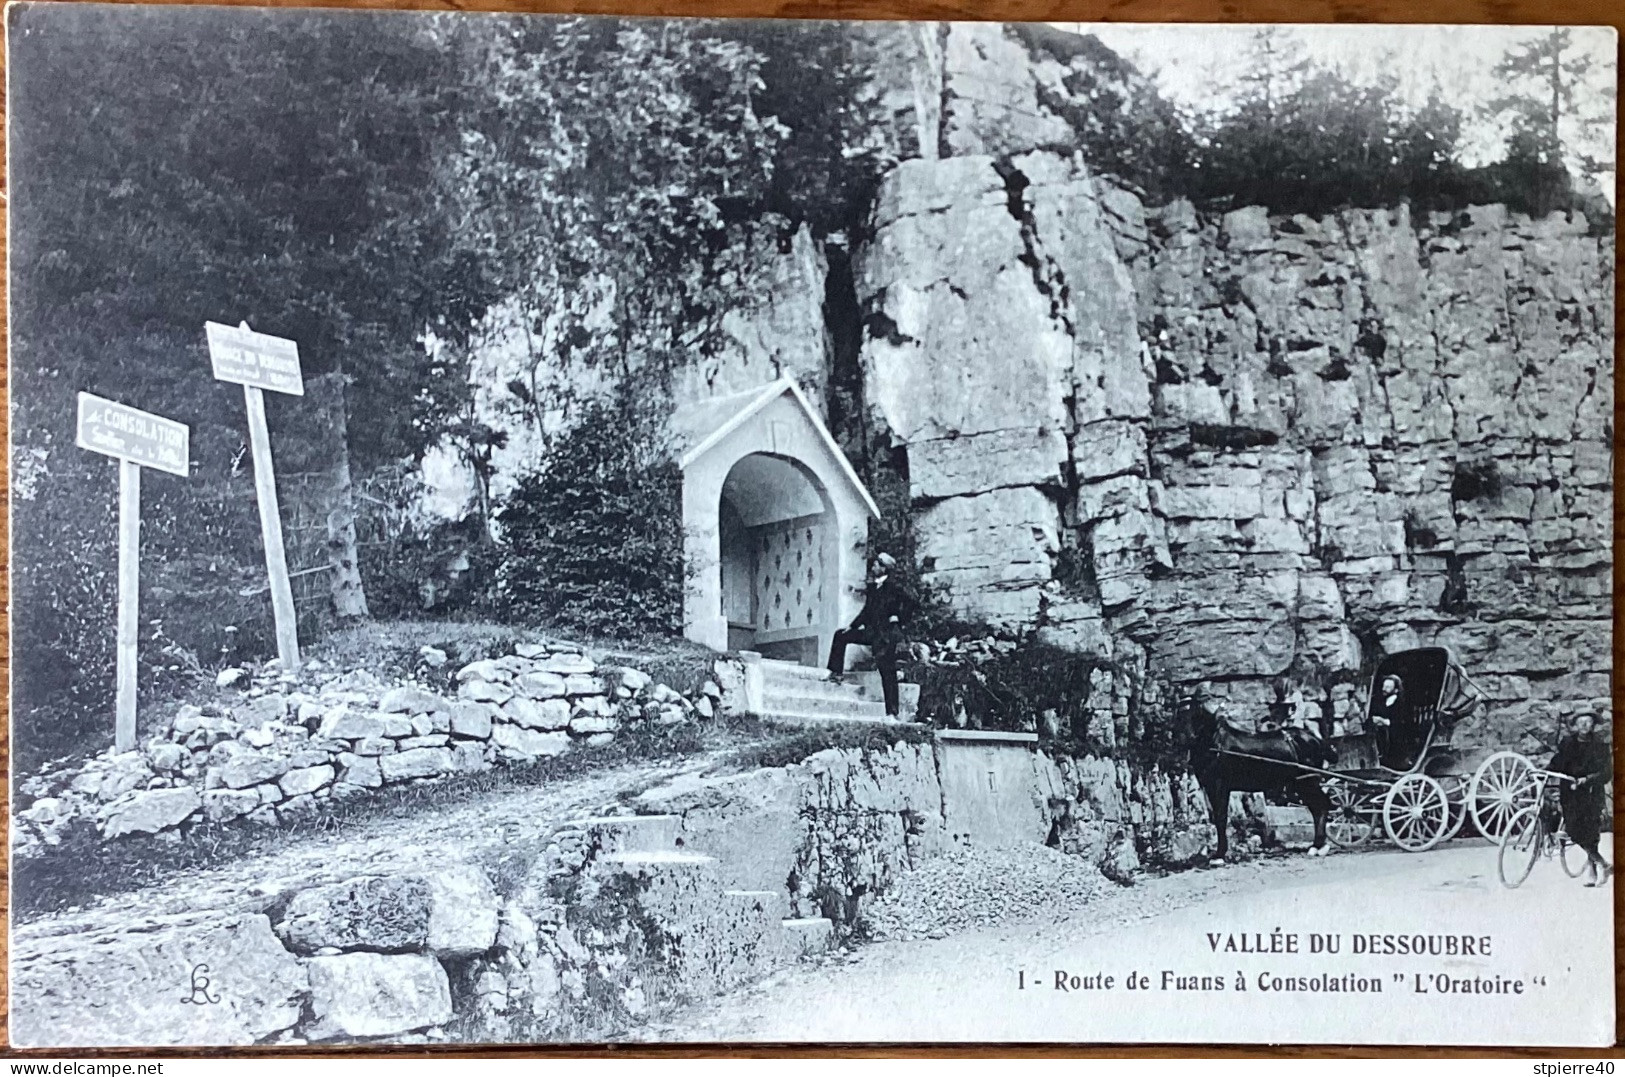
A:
{"x":702,"y":426}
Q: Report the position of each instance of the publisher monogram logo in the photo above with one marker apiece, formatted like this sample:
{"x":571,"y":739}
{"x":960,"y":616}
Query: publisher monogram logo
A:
{"x":200,"y":988}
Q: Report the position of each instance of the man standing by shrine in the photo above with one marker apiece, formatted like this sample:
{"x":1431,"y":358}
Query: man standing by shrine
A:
{"x":881,"y":626}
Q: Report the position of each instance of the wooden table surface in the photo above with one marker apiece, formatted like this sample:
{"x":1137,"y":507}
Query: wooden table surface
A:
{"x":1593,"y":12}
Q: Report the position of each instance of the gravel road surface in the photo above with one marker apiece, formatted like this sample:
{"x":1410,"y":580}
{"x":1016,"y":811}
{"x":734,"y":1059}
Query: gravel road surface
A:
{"x":997,"y":983}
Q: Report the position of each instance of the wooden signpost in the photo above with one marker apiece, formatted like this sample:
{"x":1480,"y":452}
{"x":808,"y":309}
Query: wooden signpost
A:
{"x":258,"y":362}
{"x":137,"y":439}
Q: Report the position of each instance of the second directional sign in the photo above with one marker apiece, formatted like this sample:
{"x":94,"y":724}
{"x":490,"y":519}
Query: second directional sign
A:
{"x":241,"y":355}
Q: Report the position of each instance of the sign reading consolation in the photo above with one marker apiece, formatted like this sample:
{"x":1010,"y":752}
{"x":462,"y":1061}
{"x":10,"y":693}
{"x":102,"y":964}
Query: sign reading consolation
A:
{"x":241,"y":355}
{"x":140,"y":437}
{"x":137,"y":439}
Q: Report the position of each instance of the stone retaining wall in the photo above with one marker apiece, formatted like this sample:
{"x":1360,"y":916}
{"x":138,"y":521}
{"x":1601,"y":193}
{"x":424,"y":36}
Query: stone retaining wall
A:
{"x":615,"y":922}
{"x":842,"y":825}
{"x":276,"y":747}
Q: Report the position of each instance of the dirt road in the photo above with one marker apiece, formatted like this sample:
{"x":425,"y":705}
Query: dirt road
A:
{"x":1552,"y":937}
{"x":486,"y":827}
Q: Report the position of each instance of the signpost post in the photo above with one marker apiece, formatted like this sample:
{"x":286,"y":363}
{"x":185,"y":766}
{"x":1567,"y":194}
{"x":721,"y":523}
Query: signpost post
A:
{"x":258,"y":362}
{"x":137,"y":439}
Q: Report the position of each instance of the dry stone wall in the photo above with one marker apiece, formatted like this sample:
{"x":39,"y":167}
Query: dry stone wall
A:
{"x":274,"y":748}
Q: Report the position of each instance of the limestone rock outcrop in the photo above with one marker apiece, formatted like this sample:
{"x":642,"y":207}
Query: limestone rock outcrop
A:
{"x":1200,"y":443}
{"x":1251,"y":449}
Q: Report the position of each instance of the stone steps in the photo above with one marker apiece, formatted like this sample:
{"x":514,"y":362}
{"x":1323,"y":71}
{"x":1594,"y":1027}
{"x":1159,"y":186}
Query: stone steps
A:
{"x":856,"y":686}
{"x":831,"y":706}
{"x":775,"y":671}
{"x":630,"y":833}
{"x":808,"y":936}
{"x":674,"y":887}
{"x":805,"y":695}
{"x":799,"y":718}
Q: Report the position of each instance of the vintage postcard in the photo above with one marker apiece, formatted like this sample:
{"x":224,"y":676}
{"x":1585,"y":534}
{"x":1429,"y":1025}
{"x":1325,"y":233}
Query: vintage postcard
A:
{"x":535,"y":529}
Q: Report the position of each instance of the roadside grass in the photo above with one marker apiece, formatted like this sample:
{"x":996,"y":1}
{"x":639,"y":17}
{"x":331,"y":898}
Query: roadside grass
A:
{"x":84,"y":868}
{"x":390,"y":649}
{"x":789,"y":746}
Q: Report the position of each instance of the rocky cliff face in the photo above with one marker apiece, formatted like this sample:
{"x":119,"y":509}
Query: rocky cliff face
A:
{"x":1251,"y":449}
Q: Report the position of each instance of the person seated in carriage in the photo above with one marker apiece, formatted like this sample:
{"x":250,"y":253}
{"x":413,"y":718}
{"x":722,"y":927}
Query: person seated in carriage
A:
{"x":1586,"y":756}
{"x":1417,"y":698}
{"x":1384,"y":710}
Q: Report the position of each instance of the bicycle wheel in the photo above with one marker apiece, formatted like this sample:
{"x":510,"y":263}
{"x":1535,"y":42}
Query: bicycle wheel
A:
{"x":1520,"y":848}
{"x":1573,"y":857}
{"x":1503,"y":785}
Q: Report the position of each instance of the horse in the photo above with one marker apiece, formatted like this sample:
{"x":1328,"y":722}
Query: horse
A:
{"x":1227,"y":760}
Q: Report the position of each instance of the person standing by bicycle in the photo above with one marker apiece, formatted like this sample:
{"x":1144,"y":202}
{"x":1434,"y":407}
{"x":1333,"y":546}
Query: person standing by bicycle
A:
{"x":1586,"y":756}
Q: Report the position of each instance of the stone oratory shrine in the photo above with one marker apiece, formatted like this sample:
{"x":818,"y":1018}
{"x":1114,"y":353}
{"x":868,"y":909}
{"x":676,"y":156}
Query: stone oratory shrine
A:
{"x":775,"y":523}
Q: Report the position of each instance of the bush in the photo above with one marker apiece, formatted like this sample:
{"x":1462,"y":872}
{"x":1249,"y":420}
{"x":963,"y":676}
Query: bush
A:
{"x":594,"y":541}
{"x":1003,"y":684}
{"x":412,"y":563}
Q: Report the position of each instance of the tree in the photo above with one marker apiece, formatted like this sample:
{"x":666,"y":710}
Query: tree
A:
{"x":1124,"y":127}
{"x":819,"y":87}
{"x":621,"y":168}
{"x":1242,"y":148}
{"x":617,"y":174}
{"x":286,"y":169}
{"x":1556,"y":117}
{"x":1304,"y":138}
{"x":172,"y":167}
{"x":1267,"y":106}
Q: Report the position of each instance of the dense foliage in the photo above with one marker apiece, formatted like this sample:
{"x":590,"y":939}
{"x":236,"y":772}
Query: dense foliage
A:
{"x":175,"y":167}
{"x":595,"y":541}
{"x":1011,"y":685}
{"x":1297,"y":136}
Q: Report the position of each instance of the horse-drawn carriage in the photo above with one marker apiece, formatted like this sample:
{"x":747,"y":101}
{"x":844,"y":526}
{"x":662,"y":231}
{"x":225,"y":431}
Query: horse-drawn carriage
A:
{"x":1399,"y":773}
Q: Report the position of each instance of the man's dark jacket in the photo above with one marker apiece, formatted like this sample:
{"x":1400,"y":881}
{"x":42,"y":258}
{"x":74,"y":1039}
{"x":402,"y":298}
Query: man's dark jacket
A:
{"x":890,"y":598}
{"x":1592,"y":758}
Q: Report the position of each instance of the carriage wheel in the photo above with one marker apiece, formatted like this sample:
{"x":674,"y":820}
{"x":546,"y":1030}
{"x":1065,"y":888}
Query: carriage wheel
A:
{"x":1350,"y":822}
{"x":1521,"y":847}
{"x":1573,"y":857}
{"x":1455,"y":790}
{"x":1416,"y":813}
{"x":1503,"y":786}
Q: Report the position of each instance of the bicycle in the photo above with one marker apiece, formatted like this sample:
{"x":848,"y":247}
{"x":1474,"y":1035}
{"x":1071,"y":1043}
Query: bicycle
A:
{"x":1537,"y":832}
